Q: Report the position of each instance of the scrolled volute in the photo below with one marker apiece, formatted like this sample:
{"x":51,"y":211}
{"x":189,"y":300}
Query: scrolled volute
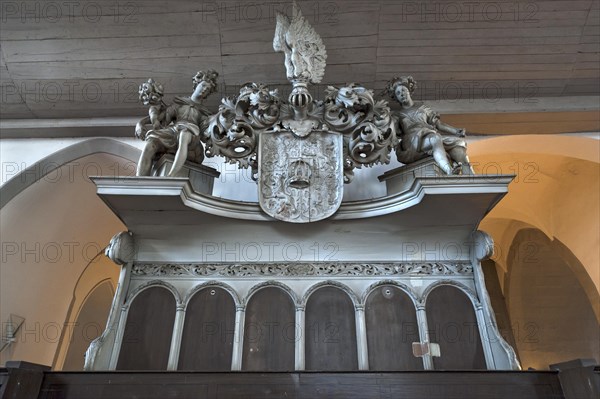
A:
{"x":233,"y":131}
{"x":121,"y":249}
{"x":368,"y":124}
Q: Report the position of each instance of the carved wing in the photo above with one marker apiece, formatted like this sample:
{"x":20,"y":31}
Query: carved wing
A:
{"x":283,"y":25}
{"x":308,"y":50}
{"x":305,"y":54}
{"x":280,"y":45}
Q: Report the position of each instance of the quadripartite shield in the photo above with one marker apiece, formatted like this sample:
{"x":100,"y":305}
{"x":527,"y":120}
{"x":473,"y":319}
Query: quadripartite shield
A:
{"x":301,"y":180}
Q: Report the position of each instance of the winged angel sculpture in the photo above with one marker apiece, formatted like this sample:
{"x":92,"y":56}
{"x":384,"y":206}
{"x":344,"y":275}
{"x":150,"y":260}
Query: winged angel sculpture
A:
{"x":301,"y":151}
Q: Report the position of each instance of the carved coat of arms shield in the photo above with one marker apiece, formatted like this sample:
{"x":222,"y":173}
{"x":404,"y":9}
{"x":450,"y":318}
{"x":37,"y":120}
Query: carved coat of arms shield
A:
{"x":301,"y":180}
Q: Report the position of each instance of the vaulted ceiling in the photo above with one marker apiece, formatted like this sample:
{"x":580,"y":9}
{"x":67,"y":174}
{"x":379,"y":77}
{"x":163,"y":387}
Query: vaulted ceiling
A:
{"x":86,"y":59}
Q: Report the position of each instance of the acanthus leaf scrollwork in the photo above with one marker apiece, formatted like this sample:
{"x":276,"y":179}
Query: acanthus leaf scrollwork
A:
{"x":233,"y":131}
{"x":302,"y":269}
{"x":368,"y":126}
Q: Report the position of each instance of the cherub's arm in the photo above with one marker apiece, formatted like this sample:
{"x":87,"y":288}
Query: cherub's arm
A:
{"x":153,"y":114}
{"x":140,"y":128}
{"x":445,"y":128}
{"x":433,"y":118}
{"x":156,"y":113}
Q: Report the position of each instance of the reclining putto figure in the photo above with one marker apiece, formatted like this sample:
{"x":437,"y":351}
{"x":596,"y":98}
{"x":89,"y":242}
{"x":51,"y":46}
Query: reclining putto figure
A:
{"x":423,"y":134}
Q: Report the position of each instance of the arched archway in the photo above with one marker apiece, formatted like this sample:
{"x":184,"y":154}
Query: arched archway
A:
{"x":552,"y":207}
{"x":69,"y":155}
{"x":551,"y":316}
{"x":89,"y":324}
{"x":557,"y":190}
{"x":88,"y":312}
{"x":51,"y":230}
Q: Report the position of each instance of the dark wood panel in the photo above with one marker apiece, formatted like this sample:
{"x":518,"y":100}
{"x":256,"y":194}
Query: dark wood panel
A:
{"x":330,"y":328}
{"x":21,"y":380}
{"x":207,"y":340}
{"x":147,"y":338}
{"x":359,"y":385}
{"x":269,"y":332}
{"x":391,"y":329}
{"x":452,"y":324}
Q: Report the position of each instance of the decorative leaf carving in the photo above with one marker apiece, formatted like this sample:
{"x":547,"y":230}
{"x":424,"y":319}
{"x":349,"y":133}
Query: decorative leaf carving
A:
{"x":302,"y":269}
{"x":233,"y":131}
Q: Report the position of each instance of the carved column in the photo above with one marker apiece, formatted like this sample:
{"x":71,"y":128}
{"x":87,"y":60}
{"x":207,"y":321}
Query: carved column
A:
{"x":300,"y":338}
{"x":119,"y":338}
{"x":499,"y":355}
{"x":103,"y":352}
{"x":424,"y":334}
{"x":176,"y":338}
{"x":238,"y":338}
{"x":361,"y":338}
{"x":485,"y":337}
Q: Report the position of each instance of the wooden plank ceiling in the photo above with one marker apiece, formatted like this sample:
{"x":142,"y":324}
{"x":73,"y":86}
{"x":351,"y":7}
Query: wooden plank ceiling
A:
{"x":86,"y":59}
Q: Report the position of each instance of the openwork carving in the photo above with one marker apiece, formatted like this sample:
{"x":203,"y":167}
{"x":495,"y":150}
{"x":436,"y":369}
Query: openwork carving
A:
{"x":233,"y":131}
{"x":301,"y":269}
{"x":301,"y":151}
{"x":368,"y":126}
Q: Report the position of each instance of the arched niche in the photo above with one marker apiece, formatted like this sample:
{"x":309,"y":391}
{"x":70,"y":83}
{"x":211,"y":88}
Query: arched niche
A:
{"x":89,"y":324}
{"x":551,"y":316}
{"x":556,"y":190}
{"x":391,"y":329}
{"x":207,"y":338}
{"x":269,"y":331}
{"x":88,"y":312}
{"x":147,"y":338}
{"x":54,"y":228}
{"x":330,"y":328}
{"x":452,"y":324}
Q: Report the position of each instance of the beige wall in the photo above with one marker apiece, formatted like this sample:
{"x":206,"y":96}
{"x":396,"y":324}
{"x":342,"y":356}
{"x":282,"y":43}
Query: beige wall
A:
{"x":557,"y":190}
{"x":551,"y":316}
{"x":50,"y":234}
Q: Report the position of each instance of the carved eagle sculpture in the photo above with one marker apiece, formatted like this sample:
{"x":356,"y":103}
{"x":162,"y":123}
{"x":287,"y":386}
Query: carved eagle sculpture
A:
{"x":305,"y":54}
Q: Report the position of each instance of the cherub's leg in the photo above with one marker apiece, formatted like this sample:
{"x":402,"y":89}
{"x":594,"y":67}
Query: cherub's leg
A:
{"x":144,"y":167}
{"x":459,"y":154}
{"x":435,"y":143}
{"x":185,"y":138}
